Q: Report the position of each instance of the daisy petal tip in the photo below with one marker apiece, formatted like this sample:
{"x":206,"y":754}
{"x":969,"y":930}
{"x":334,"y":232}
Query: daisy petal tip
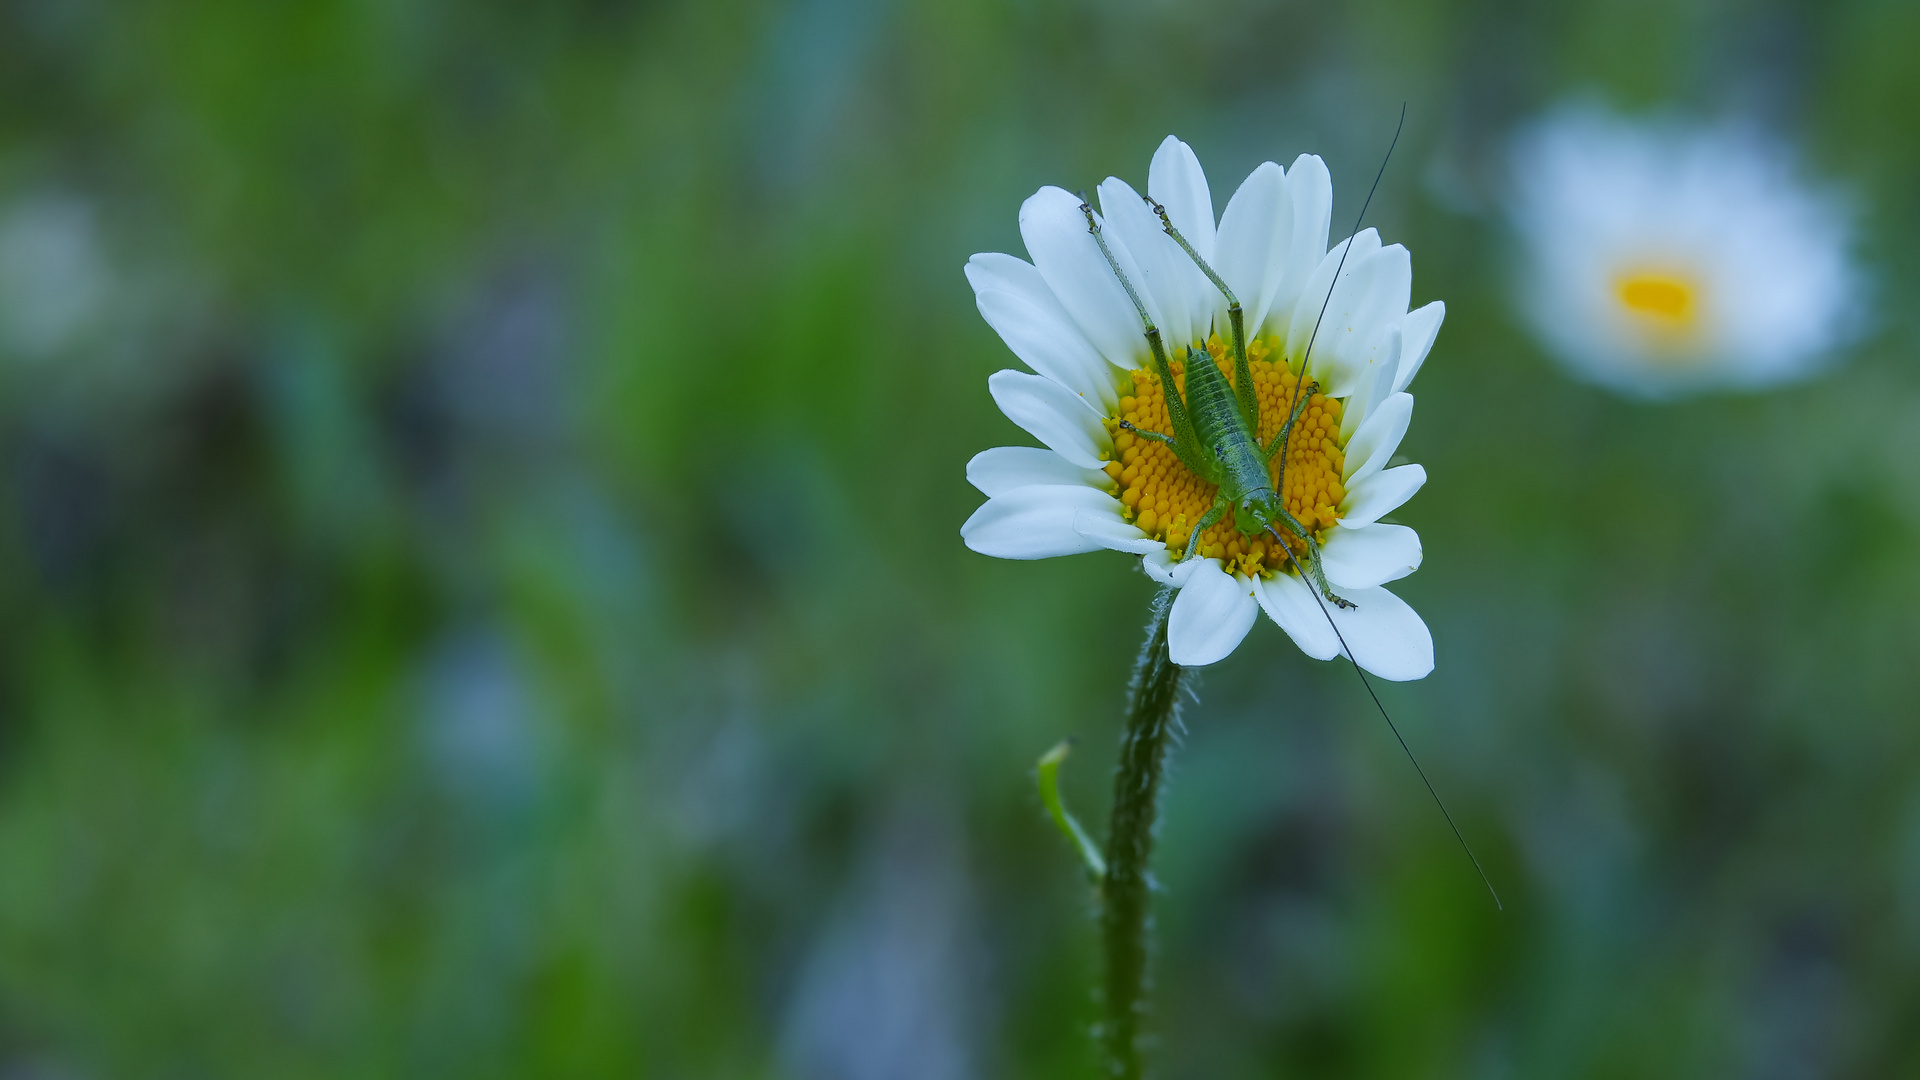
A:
{"x":1210,"y":617}
{"x":1388,"y":638}
{"x":1159,"y":565}
{"x":1109,"y":531}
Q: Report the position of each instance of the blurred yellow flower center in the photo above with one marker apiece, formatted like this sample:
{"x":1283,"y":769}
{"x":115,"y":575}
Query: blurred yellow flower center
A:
{"x":1165,"y":500}
{"x":1664,"y":299}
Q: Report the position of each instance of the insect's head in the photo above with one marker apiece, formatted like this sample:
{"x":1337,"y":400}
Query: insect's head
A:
{"x":1256,"y":512}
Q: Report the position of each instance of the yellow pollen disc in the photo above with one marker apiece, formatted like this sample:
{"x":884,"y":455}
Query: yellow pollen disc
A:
{"x":1664,"y":299}
{"x":1165,"y":500}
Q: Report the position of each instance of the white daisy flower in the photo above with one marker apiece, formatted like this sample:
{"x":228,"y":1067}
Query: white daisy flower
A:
{"x":1664,"y":259}
{"x":1097,"y":485}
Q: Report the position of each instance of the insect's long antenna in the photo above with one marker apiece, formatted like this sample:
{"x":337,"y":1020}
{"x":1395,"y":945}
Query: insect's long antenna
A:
{"x":1298,"y":569}
{"x":1391,"y":726}
{"x":1344,"y":252}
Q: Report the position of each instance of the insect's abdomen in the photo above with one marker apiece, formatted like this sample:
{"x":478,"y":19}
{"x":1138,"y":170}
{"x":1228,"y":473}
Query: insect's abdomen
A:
{"x":1218,"y":423}
{"x":1210,"y":398}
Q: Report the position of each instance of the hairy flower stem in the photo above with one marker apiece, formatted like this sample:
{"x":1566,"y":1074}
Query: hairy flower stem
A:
{"x":1151,"y":715}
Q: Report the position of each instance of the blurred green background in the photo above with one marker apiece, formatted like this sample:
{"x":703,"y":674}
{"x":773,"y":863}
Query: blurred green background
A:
{"x":483,"y":597}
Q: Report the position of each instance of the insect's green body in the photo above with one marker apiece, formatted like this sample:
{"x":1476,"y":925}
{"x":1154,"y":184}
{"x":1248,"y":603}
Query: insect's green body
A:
{"x":1216,"y":427}
{"x":1228,"y":447}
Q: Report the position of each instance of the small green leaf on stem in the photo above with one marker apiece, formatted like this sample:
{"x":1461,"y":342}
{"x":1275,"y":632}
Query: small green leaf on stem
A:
{"x":1049,"y":772}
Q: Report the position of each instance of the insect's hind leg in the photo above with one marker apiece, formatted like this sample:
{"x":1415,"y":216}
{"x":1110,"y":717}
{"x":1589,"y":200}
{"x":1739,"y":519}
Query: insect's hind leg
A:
{"x":1314,"y":568}
{"x":1234,"y":313}
{"x":1187,"y":447}
{"x":1242,"y":372}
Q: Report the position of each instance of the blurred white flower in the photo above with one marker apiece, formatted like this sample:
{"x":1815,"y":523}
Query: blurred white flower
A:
{"x":1097,"y":485}
{"x":1664,"y":258}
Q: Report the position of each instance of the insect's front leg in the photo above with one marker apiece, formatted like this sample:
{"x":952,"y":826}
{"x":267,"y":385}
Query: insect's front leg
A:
{"x":1127,"y":425}
{"x":1207,"y":521}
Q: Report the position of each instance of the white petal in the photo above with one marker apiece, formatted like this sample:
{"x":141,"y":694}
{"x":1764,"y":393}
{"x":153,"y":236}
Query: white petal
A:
{"x":1379,"y":436}
{"x":1371,"y":298}
{"x":1373,"y":346}
{"x":1212,"y":614}
{"x":1376,"y":383}
{"x":1288,"y":601}
{"x":1179,"y":185}
{"x":1112,"y":531}
{"x":1036,"y":522}
{"x":1380,"y":494}
{"x":1161,"y":273}
{"x":1053,"y":348}
{"x":1255,"y":233}
{"x":1310,"y":190}
{"x":1055,"y":232}
{"x":1176,"y":181}
{"x":1374,"y":555}
{"x":1159,"y":566}
{"x":1053,"y":414}
{"x":1008,"y":273}
{"x":1016,"y":302}
{"x":1387,"y":637}
{"x":1418,"y":330}
{"x":1348,"y":256}
{"x":1003,"y":468}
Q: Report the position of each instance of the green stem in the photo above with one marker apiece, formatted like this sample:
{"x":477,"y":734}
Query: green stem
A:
{"x":1152,"y":713}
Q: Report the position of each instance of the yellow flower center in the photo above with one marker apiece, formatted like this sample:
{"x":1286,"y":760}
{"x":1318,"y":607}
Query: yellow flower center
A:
{"x":1666,"y":301}
{"x":1165,"y":500}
